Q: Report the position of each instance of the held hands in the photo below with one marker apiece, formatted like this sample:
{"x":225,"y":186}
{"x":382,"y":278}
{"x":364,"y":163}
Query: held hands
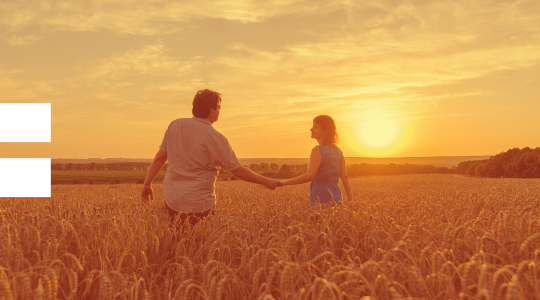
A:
{"x":272,"y":184}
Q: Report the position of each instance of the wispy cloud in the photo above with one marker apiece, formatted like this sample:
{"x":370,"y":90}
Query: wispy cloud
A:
{"x":138,"y":17}
{"x":151,"y":60}
{"x":16,"y":88}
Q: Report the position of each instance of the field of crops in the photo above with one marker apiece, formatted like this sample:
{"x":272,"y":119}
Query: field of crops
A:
{"x":418,"y":236}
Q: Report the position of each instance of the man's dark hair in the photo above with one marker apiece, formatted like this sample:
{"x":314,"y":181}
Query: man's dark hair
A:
{"x":204,"y":101}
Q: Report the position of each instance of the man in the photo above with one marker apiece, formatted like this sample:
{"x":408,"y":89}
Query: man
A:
{"x":196,"y":152}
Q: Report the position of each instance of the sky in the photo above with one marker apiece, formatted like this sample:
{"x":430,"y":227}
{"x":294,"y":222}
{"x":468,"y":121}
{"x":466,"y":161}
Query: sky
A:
{"x":401,"y":78}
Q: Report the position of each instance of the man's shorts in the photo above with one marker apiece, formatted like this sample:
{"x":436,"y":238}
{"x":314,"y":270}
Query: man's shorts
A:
{"x":193,"y":217}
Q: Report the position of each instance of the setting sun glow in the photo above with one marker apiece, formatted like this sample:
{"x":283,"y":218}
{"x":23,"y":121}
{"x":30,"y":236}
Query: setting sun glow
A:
{"x":378,"y":132}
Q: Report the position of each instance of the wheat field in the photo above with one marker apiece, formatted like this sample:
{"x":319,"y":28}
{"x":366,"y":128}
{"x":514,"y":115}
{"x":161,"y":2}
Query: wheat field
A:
{"x":417,"y":237}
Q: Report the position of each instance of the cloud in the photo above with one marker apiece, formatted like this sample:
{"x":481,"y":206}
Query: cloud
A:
{"x":139,"y":17}
{"x":377,"y":58}
{"x":348,"y":51}
{"x":150,"y":60}
{"x":16,"y":88}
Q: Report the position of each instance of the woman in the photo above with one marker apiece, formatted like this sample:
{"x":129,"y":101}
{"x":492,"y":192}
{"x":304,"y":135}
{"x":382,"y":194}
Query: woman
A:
{"x":326,"y":165}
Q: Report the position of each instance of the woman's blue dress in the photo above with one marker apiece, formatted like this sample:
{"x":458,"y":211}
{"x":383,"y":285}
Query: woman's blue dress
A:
{"x":325,"y":184}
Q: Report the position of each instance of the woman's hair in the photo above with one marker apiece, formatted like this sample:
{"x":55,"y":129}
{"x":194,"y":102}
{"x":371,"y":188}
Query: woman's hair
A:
{"x":328,"y":125}
{"x":204,"y":101}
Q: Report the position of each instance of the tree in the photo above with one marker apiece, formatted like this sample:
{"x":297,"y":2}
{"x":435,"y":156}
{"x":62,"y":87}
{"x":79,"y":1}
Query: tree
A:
{"x":514,"y":163}
{"x":481,"y":170}
{"x":536,"y":172}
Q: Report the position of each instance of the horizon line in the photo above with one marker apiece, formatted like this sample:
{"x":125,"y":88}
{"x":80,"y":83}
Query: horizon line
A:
{"x":372,"y":157}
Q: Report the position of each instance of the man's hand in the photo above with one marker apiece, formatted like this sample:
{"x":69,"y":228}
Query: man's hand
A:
{"x":147,"y":194}
{"x":280,"y":183}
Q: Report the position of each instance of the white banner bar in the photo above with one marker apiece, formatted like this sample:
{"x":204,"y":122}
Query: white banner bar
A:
{"x":25,"y":122}
{"x":25,"y":177}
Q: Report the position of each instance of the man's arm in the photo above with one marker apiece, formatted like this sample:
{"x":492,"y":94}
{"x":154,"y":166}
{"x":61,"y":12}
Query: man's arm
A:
{"x":157,"y":165}
{"x":250,"y":176}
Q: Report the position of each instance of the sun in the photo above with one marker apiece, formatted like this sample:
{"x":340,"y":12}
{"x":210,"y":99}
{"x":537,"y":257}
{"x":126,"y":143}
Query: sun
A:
{"x":378,"y":132}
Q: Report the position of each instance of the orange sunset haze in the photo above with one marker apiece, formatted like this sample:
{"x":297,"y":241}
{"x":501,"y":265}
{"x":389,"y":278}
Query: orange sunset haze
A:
{"x":401,"y":78}
{"x":269,"y":150}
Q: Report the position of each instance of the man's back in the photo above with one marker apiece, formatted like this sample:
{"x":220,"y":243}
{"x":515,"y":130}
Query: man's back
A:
{"x":195,"y":150}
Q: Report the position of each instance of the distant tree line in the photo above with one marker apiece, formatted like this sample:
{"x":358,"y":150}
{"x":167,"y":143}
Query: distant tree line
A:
{"x":290,"y":171}
{"x":274,"y":170}
{"x":394,"y":169}
{"x":264,"y":167}
{"x":514,"y":163}
{"x":120,"y":166}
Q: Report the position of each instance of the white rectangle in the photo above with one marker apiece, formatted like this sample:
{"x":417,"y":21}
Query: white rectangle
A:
{"x":25,"y":177}
{"x":25,"y":122}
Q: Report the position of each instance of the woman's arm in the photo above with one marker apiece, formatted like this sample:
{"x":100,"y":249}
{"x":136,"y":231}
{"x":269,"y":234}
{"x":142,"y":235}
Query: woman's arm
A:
{"x":314,"y":163}
{"x":345,"y":179}
{"x":147,"y":194}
